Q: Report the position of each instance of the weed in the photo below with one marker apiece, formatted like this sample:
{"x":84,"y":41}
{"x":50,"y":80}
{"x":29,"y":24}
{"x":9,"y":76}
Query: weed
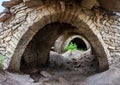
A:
{"x":1,"y":61}
{"x":71,"y":46}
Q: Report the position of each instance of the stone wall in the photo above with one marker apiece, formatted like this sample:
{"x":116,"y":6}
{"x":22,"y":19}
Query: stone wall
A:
{"x":101,"y":30}
{"x":109,"y":28}
{"x":111,"y":37}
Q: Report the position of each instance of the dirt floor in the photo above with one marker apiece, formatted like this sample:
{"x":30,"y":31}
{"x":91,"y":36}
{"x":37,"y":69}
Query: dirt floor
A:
{"x":61,"y":77}
{"x":58,"y":73}
{"x":44,"y":77}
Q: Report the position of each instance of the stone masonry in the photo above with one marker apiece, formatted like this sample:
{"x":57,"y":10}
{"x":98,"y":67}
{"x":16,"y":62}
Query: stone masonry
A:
{"x":23,"y":21}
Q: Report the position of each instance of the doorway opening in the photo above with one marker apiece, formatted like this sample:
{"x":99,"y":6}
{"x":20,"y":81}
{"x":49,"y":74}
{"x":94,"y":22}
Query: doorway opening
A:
{"x":38,"y":54}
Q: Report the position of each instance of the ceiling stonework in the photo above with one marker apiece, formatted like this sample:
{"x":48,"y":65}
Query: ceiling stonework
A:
{"x":110,"y":5}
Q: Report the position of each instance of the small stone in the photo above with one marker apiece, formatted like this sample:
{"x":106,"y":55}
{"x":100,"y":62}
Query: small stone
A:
{"x":4,"y":16}
{"x":63,"y":81}
{"x":44,"y":79}
{"x":111,"y":48}
{"x":45,"y":74}
{"x":26,"y":0}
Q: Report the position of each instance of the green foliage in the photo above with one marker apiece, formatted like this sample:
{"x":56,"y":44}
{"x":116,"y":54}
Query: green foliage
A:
{"x":71,"y":46}
{"x":1,"y":61}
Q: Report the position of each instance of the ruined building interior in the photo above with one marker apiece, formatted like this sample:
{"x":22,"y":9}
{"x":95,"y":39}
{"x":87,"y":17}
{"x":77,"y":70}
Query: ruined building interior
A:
{"x":60,"y":42}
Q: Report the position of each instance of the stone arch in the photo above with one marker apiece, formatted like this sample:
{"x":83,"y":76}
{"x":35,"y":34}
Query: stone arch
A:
{"x":66,"y":39}
{"x":79,"y":40}
{"x":71,"y":16}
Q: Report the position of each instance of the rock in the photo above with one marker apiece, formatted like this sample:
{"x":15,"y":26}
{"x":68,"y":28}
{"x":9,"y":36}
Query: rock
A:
{"x":111,"y":5}
{"x":109,"y":77}
{"x":4,"y":16}
{"x":62,"y":80}
{"x":89,"y":4}
{"x":26,"y":0}
{"x":69,"y":55}
{"x":45,"y":74}
{"x":32,"y":3}
{"x":57,"y":60}
{"x":8,"y":4}
{"x":77,"y":56}
{"x":44,"y":79}
{"x":81,"y":61}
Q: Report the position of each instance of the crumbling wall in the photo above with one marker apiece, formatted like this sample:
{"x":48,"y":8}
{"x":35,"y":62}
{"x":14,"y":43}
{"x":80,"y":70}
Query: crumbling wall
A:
{"x":100,"y":29}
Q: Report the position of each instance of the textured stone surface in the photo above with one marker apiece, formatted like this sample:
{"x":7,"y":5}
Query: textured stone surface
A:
{"x":111,"y":5}
{"x":105,"y":78}
{"x":101,"y":30}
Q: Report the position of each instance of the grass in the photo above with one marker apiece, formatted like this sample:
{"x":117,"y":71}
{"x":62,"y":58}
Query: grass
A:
{"x":1,"y":61}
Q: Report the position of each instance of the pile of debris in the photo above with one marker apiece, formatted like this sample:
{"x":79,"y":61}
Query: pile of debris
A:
{"x":82,"y":61}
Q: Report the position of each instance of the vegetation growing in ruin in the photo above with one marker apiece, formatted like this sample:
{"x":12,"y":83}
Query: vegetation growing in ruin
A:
{"x":71,"y":46}
{"x":1,"y":61}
